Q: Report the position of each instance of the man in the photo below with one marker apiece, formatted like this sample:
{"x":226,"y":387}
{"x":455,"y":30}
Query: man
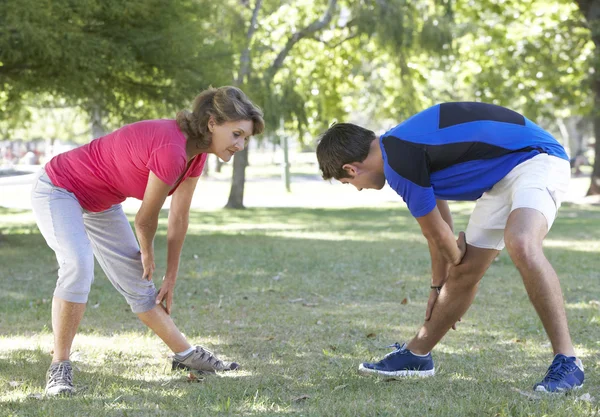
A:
{"x":517,"y":172}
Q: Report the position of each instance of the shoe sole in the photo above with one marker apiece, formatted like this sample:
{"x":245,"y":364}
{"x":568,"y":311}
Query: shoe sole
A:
{"x":180,"y":366}
{"x":176,"y":365}
{"x":539,"y":388}
{"x":60,"y":391}
{"x":422,"y":374}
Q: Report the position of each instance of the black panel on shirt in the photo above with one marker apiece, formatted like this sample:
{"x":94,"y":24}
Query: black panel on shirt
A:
{"x":415,"y":161}
{"x":452,"y":114}
{"x":408,"y":159}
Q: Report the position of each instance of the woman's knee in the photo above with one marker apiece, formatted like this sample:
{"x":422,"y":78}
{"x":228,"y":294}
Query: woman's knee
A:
{"x":75,"y":277}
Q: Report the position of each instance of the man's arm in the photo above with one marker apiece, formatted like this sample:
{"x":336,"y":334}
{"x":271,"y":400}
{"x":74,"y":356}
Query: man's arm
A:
{"x":439,"y":234}
{"x":439,"y":265}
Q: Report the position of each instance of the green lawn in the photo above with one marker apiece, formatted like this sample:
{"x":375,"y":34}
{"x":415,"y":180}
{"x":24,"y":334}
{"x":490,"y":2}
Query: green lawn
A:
{"x":300,"y":297}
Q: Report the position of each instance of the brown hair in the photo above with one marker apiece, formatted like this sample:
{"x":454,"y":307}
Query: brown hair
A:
{"x":224,"y":104}
{"x":342,"y":143}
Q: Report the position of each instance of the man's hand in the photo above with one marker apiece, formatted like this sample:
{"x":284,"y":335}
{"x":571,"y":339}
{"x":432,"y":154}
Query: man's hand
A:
{"x":165,"y":295}
{"x":433,"y":296}
{"x":461,"y":242}
{"x":148,"y":264}
{"x":435,"y":292}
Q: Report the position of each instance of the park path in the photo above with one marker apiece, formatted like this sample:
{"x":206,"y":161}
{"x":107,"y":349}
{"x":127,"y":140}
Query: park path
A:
{"x":307,"y":191}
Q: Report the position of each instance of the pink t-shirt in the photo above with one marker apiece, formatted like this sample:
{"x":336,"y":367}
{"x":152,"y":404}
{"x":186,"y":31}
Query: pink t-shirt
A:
{"x":116,"y":166}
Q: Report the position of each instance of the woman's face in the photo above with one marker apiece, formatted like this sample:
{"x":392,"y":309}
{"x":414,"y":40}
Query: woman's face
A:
{"x":229,"y":137}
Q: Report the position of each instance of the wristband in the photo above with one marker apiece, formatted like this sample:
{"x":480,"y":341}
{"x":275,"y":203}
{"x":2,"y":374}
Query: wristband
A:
{"x":438,"y":288}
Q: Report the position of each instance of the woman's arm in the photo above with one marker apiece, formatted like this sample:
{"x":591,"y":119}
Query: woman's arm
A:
{"x":179,"y":214}
{"x":146,"y":220}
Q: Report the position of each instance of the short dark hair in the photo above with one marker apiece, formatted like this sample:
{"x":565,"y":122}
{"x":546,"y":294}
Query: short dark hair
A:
{"x":341,"y":144}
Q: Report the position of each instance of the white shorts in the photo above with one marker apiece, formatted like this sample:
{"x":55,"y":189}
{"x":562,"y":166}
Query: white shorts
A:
{"x":539,"y":183}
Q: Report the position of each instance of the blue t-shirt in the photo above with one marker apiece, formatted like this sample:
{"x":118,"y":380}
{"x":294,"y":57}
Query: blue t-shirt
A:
{"x":458,"y":151}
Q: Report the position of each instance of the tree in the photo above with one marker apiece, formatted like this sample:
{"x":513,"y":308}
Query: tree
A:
{"x":591,"y":11}
{"x":119,"y":61}
{"x":294,"y":78}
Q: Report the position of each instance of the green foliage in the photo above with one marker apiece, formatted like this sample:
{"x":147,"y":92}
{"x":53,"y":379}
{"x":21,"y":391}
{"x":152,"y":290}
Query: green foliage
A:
{"x":134,"y":59}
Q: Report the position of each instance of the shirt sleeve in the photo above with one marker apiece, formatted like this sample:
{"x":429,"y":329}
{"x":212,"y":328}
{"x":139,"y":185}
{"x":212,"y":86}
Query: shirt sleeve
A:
{"x":199,"y":166}
{"x":407,"y":172}
{"x":420,"y":200}
{"x":168,"y":162}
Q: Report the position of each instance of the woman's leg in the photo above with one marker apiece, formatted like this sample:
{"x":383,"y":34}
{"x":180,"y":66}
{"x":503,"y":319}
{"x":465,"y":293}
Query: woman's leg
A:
{"x":118,"y":253}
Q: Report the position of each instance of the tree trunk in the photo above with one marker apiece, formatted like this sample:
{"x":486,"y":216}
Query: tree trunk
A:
{"x":96,"y":121}
{"x":236,"y":194}
{"x":595,"y":182}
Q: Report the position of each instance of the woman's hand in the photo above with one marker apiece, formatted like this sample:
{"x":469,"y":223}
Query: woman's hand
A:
{"x":149,"y":265}
{"x":165,"y":295}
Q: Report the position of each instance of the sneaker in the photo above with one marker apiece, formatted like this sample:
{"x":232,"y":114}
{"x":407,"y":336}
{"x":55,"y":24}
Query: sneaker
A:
{"x":565,"y":374}
{"x":202,"y":360}
{"x":59,"y":379}
{"x":400,"y":362}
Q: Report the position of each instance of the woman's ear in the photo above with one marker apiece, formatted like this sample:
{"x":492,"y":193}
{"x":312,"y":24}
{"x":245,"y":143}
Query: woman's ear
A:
{"x":211,"y":124}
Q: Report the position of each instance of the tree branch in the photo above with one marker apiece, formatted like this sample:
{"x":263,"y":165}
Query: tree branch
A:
{"x":338,"y":43}
{"x":309,"y":30}
{"x":245,"y":57}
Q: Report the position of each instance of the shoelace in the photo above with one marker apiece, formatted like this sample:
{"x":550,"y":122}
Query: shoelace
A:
{"x":398,"y":347}
{"x":558,"y":370}
{"x":60,"y":373}
{"x":212,"y":359}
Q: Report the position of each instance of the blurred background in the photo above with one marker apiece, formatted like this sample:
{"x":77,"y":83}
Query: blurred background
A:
{"x":73,"y":70}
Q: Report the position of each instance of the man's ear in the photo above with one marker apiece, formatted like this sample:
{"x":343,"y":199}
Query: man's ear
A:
{"x":351,"y":169}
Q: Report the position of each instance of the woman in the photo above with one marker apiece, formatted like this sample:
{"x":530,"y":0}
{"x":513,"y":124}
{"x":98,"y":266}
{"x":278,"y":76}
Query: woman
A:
{"x":76,"y":201}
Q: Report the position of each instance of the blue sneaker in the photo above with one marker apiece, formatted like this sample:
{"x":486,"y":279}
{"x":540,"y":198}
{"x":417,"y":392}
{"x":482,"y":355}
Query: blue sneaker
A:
{"x":565,"y":374}
{"x":400,"y":362}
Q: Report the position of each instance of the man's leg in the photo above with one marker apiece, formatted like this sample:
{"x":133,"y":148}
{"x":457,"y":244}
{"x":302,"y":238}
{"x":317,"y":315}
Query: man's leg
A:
{"x":524,"y":233}
{"x":455,"y":298}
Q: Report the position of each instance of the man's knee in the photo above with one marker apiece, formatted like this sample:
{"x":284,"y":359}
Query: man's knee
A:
{"x":465,"y":277}
{"x":521,"y":247}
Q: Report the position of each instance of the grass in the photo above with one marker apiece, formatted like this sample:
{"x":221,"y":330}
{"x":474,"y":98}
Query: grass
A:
{"x":300,"y":297}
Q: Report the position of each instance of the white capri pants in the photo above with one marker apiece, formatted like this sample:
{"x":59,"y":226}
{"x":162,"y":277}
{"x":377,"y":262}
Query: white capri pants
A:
{"x":77,"y":235}
{"x":539,"y":183}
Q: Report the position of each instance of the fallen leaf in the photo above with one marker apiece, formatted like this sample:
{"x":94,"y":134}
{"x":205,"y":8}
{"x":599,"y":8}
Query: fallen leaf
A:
{"x":594,"y":303}
{"x":270,"y":338}
{"x":301,"y":398}
{"x":400,"y":282}
{"x":586,"y":397}
{"x":195,"y":256}
{"x":296,"y":300}
{"x":207,"y":291}
{"x":192,"y":377}
{"x":333,"y":348}
{"x":371,"y":335}
{"x":96,"y":305}
{"x":319,"y":322}
{"x":276,"y":278}
{"x":340,"y":387}
{"x":14,"y":384}
{"x":35,"y":396}
{"x":310,"y":304}
{"x":404,"y":301}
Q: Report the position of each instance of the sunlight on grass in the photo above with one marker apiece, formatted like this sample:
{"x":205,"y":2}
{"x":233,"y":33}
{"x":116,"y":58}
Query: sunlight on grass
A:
{"x":299,"y":297}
